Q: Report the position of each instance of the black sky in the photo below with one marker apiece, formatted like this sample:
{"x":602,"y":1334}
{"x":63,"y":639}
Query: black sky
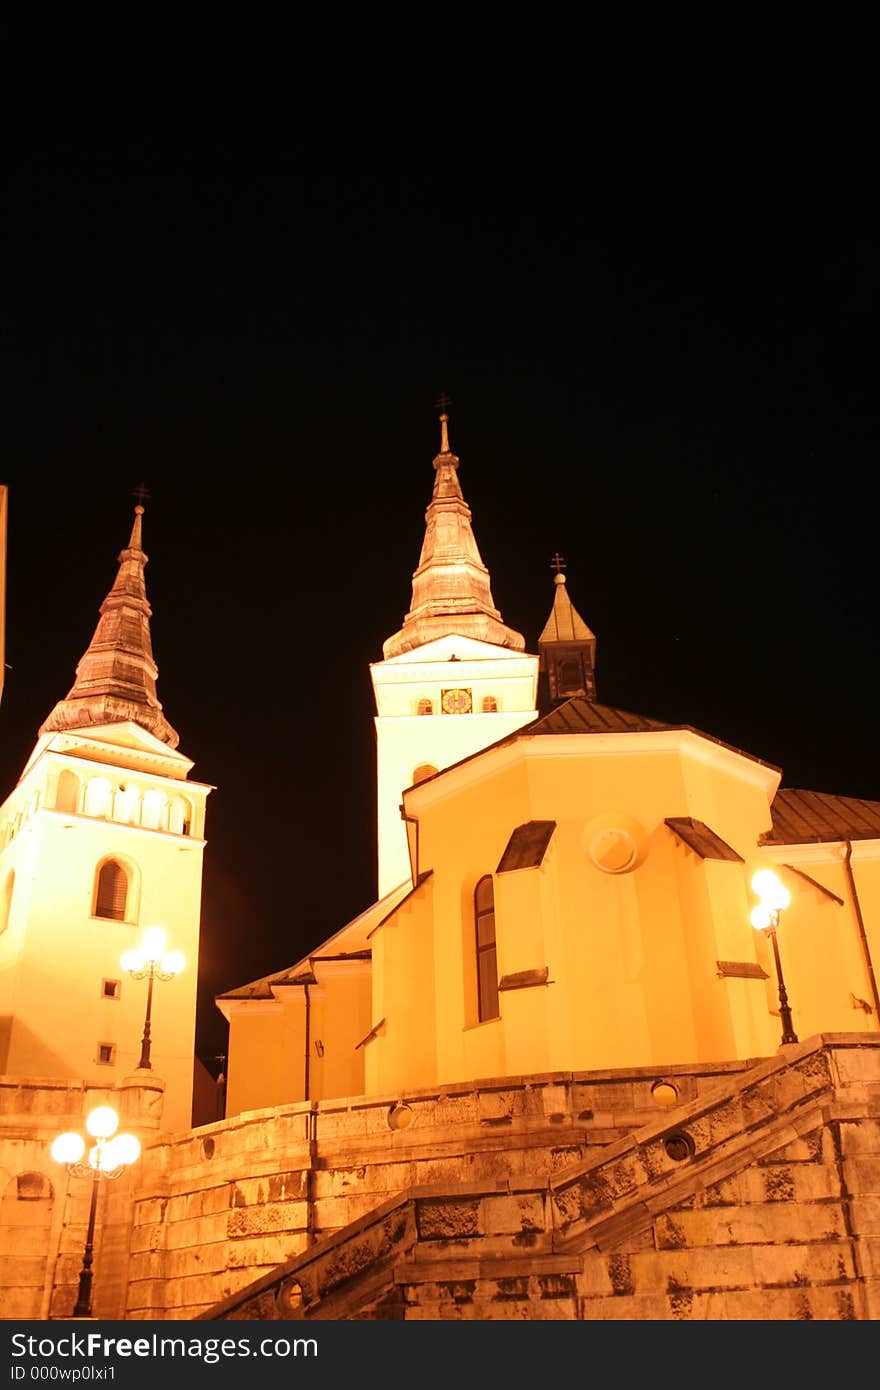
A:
{"x":245,"y":280}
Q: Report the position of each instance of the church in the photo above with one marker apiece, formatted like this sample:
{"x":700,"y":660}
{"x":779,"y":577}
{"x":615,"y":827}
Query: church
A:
{"x":562,"y":1067}
{"x":563,"y":885}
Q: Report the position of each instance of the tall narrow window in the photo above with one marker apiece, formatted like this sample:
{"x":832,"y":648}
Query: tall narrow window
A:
{"x":487,"y":964}
{"x":111,"y":891}
{"x":570,"y":676}
{"x":6,"y":900}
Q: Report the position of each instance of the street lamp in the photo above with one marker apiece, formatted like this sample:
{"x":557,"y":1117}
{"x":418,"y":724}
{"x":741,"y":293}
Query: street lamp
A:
{"x":152,"y":961}
{"x":774,"y":898}
{"x":109,"y":1156}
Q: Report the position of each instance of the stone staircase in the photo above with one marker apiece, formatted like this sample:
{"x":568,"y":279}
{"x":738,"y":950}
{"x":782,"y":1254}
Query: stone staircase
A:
{"x":758,"y":1200}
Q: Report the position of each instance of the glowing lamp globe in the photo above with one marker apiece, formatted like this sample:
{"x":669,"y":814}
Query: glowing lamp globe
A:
{"x":770,"y":890}
{"x":173,"y":963}
{"x":760,"y":917}
{"x":126,"y":1148}
{"x":132,"y":960}
{"x":102,"y":1122}
{"x":118,"y":1153}
{"x":68,"y":1148}
{"x":153,"y":943}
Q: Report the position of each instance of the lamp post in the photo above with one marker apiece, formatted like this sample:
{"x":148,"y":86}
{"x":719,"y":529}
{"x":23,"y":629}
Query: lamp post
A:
{"x":109,"y":1156}
{"x":774,"y":897}
{"x":152,"y":962}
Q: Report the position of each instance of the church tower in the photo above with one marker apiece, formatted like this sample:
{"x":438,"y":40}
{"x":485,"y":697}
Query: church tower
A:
{"x":454,"y":678}
{"x":103,"y":837}
{"x":566,"y":648}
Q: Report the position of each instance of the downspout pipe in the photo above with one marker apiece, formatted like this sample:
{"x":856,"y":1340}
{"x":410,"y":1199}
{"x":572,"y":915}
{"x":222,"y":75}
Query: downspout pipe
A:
{"x":311,"y":1118}
{"x":306,"y":1095}
{"x":863,"y":937}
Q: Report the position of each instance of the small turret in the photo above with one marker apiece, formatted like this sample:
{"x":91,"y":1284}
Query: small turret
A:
{"x":566,"y":648}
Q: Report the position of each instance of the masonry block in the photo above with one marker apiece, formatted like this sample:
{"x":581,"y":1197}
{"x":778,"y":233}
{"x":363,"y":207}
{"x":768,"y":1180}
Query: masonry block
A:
{"x":452,"y":1220}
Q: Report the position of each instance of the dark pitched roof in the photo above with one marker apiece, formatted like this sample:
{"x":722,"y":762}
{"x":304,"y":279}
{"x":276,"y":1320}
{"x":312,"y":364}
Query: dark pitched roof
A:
{"x":802,"y":817}
{"x":702,"y":840}
{"x":582,"y":716}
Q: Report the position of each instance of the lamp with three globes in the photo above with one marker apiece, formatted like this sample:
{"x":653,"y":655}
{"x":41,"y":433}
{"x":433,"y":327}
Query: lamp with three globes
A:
{"x":152,"y":962}
{"x":108,"y":1157}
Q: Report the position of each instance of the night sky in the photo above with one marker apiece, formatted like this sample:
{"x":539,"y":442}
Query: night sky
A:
{"x":653,"y":308}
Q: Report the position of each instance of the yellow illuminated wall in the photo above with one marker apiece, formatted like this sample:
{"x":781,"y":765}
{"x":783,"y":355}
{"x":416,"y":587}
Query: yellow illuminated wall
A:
{"x":611,"y":963}
{"x":301,"y":1043}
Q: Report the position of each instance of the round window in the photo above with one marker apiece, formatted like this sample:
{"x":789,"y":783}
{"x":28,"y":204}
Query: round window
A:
{"x":664,"y":1093}
{"x":614,"y":842}
{"x":615,"y":851}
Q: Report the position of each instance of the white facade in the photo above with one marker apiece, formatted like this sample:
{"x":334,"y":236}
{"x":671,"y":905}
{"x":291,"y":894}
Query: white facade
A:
{"x":87,"y":798}
{"x":413,"y":742}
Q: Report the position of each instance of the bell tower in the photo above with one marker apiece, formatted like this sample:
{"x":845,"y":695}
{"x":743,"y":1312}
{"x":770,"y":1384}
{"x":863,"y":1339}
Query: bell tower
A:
{"x":454,"y":678}
{"x":102,"y":837}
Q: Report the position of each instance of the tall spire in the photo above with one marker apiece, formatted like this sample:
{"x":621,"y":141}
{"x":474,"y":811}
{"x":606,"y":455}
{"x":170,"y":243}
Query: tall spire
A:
{"x":451,"y":590}
{"x":116,"y":677}
{"x":566,"y":647}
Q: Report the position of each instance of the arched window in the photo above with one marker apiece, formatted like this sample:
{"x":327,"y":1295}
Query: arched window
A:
{"x":425,"y":707}
{"x":67,"y":796}
{"x":153,"y":810}
{"x":422,"y":773}
{"x":179,"y":815}
{"x":111,"y":891}
{"x":490,"y":704}
{"x":487,"y":962}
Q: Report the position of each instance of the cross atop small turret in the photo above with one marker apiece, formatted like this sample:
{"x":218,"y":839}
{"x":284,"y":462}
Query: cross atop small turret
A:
{"x":557,"y":563}
{"x":141,"y":493}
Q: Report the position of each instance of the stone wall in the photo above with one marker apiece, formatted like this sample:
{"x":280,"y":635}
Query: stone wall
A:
{"x":746,"y":1190}
{"x":220,"y":1206}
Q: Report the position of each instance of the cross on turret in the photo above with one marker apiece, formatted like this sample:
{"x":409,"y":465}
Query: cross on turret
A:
{"x":442,"y":404}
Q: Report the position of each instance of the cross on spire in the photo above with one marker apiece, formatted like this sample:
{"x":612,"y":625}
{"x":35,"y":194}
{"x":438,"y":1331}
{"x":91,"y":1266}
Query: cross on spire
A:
{"x":442,"y":404}
{"x":557,"y":563}
{"x":141,"y":493}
